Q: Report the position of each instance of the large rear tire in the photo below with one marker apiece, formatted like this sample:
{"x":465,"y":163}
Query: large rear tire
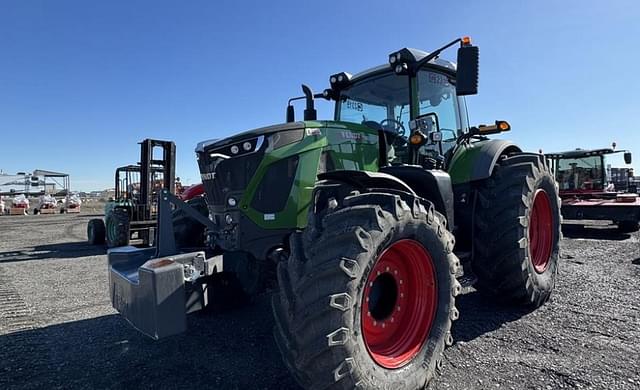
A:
{"x":96,"y":231}
{"x":117,"y":227}
{"x":367,"y":297}
{"x":517,"y":231}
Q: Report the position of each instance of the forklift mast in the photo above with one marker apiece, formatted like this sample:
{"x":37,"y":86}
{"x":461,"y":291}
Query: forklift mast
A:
{"x":150,"y":165}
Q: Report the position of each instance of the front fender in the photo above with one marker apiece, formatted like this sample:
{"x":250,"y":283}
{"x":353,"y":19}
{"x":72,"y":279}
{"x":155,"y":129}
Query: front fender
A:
{"x":367,"y":179}
{"x":476,"y":161}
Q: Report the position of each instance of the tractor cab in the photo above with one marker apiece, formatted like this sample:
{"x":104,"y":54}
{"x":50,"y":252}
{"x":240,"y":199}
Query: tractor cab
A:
{"x":415,"y":103}
{"x":384,"y":100}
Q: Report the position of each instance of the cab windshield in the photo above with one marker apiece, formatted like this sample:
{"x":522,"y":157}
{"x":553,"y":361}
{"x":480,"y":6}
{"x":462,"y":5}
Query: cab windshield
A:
{"x":384,"y":99}
{"x":584,"y":173}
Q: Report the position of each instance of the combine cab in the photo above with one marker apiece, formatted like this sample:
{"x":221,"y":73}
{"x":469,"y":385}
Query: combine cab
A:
{"x":588,"y":194}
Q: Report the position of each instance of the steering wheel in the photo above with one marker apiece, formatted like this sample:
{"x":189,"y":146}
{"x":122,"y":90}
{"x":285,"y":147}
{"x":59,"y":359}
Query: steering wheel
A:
{"x":398,"y":127}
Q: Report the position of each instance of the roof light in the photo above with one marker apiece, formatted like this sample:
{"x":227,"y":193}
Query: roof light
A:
{"x":339,"y":80}
{"x":466,"y":41}
{"x":401,"y":68}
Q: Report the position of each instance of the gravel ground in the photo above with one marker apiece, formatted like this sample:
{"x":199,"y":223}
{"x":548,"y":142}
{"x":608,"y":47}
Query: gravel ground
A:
{"x":58,"y":330}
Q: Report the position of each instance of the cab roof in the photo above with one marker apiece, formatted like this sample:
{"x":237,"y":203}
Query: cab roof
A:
{"x":419,"y":54}
{"x":577,"y":153}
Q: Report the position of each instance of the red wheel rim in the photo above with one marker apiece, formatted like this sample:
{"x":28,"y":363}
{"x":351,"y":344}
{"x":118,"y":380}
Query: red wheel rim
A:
{"x":399,"y":304}
{"x":540,"y":231}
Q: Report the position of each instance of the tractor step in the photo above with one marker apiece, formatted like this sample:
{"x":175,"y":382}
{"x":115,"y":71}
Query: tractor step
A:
{"x":155,"y":294}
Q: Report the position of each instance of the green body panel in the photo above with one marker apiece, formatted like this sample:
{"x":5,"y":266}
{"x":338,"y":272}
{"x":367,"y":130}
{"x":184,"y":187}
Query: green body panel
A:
{"x":463,"y":160}
{"x":348,"y":145}
{"x":475,"y":160}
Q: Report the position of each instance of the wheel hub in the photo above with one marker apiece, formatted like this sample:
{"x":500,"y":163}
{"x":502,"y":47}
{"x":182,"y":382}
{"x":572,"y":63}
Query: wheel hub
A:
{"x":399,"y":304}
{"x":541,"y":231}
{"x":383,"y":297}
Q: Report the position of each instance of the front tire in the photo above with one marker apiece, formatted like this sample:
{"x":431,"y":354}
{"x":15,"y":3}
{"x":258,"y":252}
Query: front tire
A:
{"x":96,"y":231}
{"x":518,"y":231}
{"x":117,"y":226}
{"x":367,"y":296}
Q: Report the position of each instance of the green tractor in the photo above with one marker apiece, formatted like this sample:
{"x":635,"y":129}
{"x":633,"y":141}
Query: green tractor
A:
{"x":131,"y":215}
{"x":368,"y":221}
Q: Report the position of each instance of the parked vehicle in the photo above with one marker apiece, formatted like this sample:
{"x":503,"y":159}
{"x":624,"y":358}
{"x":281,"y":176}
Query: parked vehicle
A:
{"x":588,"y":194}
{"x":365,"y":220}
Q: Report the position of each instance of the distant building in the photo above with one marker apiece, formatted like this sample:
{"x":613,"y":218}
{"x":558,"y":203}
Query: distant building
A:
{"x":33,"y":184}
{"x":24,"y":184}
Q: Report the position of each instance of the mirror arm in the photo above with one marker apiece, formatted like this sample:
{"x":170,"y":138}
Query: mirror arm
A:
{"x":435,"y":54}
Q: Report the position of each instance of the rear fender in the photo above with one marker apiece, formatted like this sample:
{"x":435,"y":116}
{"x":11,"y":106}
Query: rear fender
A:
{"x":476,"y":161}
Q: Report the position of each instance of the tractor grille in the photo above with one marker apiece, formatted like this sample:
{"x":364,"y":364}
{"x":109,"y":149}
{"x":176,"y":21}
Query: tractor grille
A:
{"x":273,"y":192}
{"x":224,"y":172}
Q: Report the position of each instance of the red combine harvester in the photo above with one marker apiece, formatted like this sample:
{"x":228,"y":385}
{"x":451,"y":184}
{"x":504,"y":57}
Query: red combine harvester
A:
{"x":587,"y":192}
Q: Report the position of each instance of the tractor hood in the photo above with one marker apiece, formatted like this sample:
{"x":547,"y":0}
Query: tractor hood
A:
{"x":218,"y":142}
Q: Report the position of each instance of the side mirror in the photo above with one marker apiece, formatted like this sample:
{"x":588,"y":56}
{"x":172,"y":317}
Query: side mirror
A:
{"x":627,"y":157}
{"x":468,"y":68}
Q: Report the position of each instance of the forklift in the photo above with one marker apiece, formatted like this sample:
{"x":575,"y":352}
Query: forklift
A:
{"x":131,"y":216}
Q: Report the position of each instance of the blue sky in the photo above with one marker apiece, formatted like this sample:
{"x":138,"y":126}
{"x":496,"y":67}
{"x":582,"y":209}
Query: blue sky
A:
{"x":82,"y":82}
